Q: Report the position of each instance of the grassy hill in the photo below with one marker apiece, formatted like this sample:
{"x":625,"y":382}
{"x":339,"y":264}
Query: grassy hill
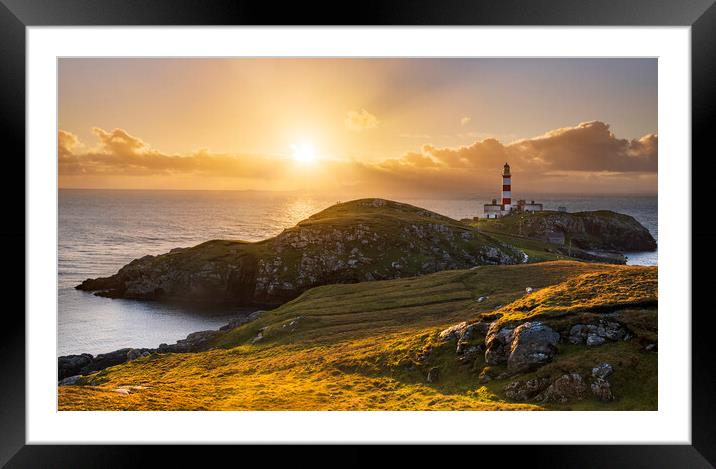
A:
{"x":372,"y":345}
{"x":601,"y":230}
{"x":361,"y":240}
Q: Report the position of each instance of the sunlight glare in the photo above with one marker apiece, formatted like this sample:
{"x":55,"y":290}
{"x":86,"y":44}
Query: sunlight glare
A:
{"x":304,"y":153}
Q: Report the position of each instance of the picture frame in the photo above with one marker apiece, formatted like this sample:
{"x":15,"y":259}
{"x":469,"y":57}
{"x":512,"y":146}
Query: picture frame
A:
{"x":17,"y":15}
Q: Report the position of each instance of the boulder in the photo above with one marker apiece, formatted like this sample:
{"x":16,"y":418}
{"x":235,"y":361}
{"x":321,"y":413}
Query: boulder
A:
{"x":529,"y":346}
{"x":498,"y":344}
{"x":453,"y":332}
{"x":602,"y":389}
{"x":71,"y":365}
{"x":70,"y":380}
{"x":564,"y":389}
{"x":533,"y":345}
{"x":596,"y":334}
{"x":526,"y":390}
{"x":133,"y":354}
{"x":594,"y":340}
{"x":602,"y":370}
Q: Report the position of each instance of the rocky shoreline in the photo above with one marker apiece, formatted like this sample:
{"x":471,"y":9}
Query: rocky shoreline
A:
{"x":357,"y":241}
{"x":364,"y":240}
{"x":71,"y":368}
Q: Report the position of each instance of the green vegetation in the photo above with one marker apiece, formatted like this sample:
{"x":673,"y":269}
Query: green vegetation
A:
{"x":371,"y":345}
{"x":366,"y":239}
{"x":593,"y":292}
{"x":600,"y":230}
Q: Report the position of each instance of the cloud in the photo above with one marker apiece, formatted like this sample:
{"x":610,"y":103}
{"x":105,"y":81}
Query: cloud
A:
{"x":465,"y":120}
{"x":358,"y":121}
{"x":589,"y":146}
{"x":120,"y":154}
{"x":587,"y":157}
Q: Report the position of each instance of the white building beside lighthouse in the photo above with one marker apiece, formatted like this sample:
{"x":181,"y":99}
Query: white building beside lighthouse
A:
{"x":505,"y":207}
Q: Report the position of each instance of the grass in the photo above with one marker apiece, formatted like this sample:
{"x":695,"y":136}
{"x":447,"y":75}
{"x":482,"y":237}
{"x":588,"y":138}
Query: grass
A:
{"x":596,"y":291}
{"x":369,"y":346}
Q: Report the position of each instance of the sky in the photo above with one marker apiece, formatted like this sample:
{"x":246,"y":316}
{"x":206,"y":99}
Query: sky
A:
{"x":374,"y":127}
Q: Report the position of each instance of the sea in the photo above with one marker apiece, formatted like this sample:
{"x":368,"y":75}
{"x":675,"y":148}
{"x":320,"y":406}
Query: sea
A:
{"x":102,"y":230}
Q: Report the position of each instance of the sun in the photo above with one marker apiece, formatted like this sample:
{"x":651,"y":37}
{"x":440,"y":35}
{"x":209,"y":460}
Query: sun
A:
{"x":304,"y":153}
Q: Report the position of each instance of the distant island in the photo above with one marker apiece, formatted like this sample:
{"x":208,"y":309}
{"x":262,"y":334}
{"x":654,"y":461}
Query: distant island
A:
{"x":384,"y":305}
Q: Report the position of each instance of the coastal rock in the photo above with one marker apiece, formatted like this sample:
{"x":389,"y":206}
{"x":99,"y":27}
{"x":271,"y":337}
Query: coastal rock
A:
{"x":78,"y":365}
{"x":71,"y":365}
{"x":368,"y":239}
{"x":601,"y":230}
{"x":70,"y":380}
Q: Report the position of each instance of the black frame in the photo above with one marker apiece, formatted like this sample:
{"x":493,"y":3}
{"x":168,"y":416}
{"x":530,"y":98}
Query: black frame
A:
{"x":16,"y":15}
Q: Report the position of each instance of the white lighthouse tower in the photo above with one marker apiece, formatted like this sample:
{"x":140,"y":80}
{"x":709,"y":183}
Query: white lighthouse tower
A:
{"x":506,"y":188}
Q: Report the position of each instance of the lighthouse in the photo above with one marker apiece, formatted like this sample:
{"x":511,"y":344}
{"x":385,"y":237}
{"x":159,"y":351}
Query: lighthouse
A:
{"x":506,"y":188}
{"x":505,"y":207}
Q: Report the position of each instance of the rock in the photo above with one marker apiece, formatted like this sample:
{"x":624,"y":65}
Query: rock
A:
{"x":528,"y":290}
{"x":133,"y":354}
{"x":577,"y":334}
{"x":327,"y":248}
{"x":601,"y":230}
{"x":650,"y":348}
{"x":433,"y":375}
{"x":564,"y":389}
{"x":468,"y":353}
{"x":529,"y":346}
{"x":71,"y":365}
{"x":526,"y":390}
{"x":602,"y":370}
{"x":596,"y":334}
{"x":498,"y":344}
{"x":533,"y":345}
{"x":482,"y":298}
{"x":70,"y":380}
{"x":602,"y":389}
{"x":453,"y":332}
{"x":594,"y":340}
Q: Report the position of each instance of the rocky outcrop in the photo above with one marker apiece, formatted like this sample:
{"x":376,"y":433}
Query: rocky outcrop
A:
{"x":596,"y":334}
{"x":565,"y":388}
{"x":368,"y":239}
{"x":557,"y":338}
{"x":569,"y":387}
{"x":601,"y":230}
{"x":526,"y":347}
{"x":84,"y":364}
{"x":71,"y":367}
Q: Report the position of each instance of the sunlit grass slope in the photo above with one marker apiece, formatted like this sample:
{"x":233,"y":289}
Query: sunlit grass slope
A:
{"x":363,"y":347}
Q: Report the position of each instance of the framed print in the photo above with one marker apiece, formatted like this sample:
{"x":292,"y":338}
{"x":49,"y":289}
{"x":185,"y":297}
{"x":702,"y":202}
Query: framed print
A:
{"x":421,"y":224}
